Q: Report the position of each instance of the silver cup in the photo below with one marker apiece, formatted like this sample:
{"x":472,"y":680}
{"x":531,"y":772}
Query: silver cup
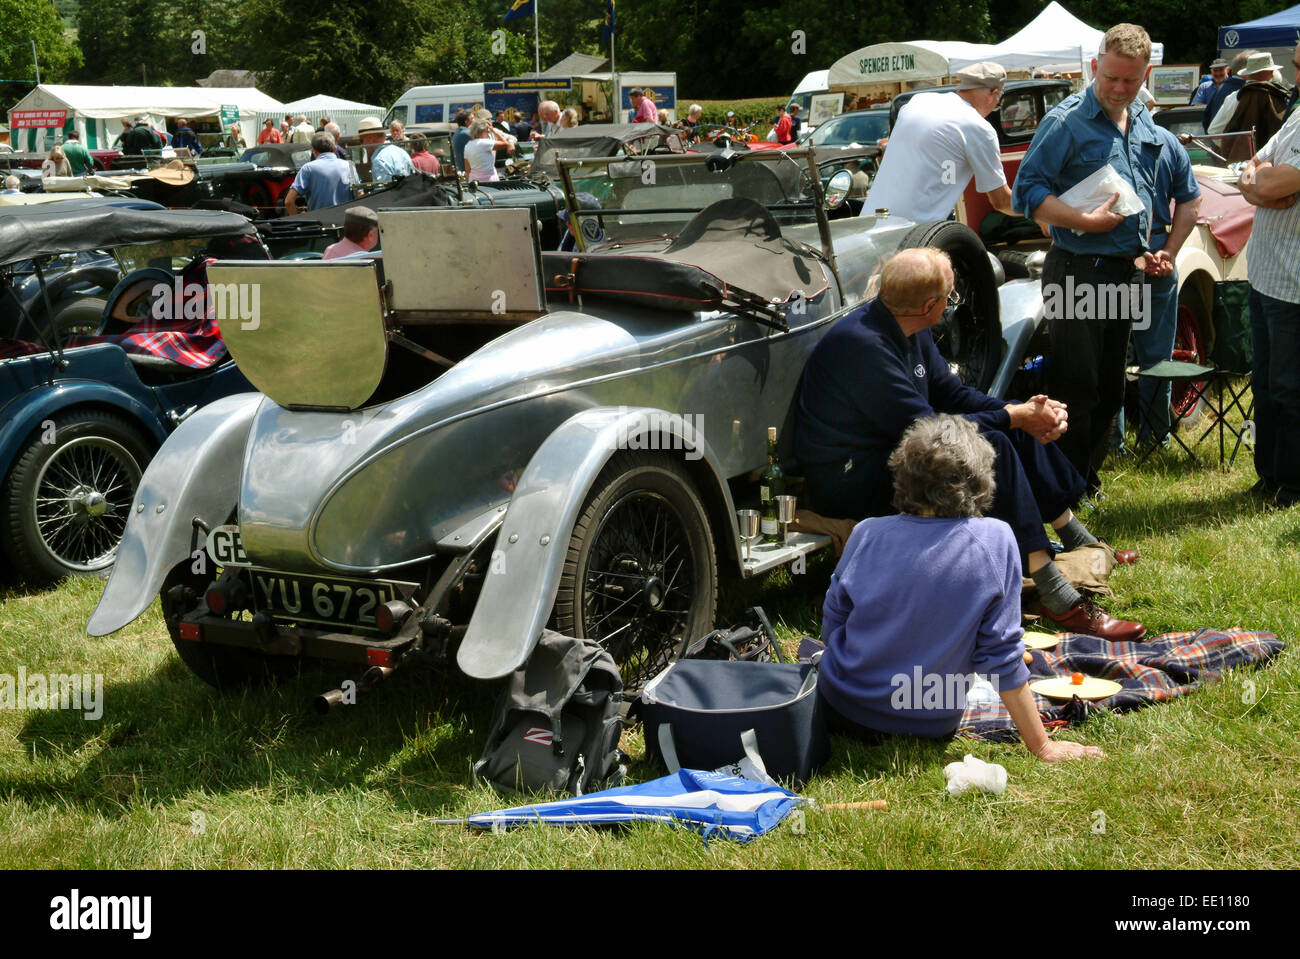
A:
{"x":747,"y":519}
{"x":785,"y":507}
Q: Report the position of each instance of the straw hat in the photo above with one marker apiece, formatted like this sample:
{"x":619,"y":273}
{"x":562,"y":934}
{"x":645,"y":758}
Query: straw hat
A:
{"x":173,"y":173}
{"x":1258,"y":63}
{"x":370,"y":125}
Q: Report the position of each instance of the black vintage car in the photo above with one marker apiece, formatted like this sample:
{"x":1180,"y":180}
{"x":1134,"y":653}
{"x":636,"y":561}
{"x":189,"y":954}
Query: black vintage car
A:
{"x":1024,"y":104}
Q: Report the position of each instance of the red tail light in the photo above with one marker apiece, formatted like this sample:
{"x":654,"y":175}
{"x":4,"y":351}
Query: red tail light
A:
{"x":191,"y":631}
{"x":379,"y":657}
{"x":216,"y":600}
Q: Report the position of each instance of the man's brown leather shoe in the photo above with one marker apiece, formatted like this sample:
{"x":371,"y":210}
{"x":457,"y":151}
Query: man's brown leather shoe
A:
{"x":1126,"y":557}
{"x":1091,"y":619}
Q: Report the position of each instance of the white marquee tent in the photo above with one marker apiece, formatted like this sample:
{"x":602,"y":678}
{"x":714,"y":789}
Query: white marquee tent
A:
{"x":1054,"y":38}
{"x":96,"y":111}
{"x":346,"y":113}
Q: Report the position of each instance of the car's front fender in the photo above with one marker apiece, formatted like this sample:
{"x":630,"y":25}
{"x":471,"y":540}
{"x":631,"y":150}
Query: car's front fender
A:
{"x":27,"y":412}
{"x":195,"y":474}
{"x":526,"y":567}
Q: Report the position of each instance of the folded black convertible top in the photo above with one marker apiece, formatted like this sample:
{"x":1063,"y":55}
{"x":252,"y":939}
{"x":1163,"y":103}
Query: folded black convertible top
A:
{"x":73,"y":225}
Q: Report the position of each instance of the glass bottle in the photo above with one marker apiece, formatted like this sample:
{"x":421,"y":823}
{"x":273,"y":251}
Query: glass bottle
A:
{"x":771,"y":484}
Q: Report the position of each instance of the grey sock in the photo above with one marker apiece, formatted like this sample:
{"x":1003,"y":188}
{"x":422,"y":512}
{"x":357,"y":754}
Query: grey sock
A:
{"x":1074,"y":534}
{"x":1055,"y":590}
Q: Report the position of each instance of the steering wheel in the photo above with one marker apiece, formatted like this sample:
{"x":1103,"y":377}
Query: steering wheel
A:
{"x":132,"y":299}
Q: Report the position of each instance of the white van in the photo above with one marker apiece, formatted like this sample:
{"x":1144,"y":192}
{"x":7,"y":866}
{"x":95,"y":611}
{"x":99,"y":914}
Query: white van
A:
{"x":812,"y":84}
{"x":436,"y":104}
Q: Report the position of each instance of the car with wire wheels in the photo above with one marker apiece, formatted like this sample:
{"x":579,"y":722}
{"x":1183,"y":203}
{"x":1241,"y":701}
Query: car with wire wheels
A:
{"x":91,"y":383}
{"x":490,"y":437}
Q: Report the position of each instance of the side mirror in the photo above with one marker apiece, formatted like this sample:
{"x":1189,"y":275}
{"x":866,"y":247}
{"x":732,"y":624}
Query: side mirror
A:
{"x":837,"y":189}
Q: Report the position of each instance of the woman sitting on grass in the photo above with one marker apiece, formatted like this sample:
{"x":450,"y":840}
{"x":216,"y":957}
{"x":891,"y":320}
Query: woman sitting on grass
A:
{"x":922,"y":600}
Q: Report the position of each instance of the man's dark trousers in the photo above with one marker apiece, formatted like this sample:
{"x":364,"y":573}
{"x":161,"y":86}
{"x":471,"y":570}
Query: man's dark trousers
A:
{"x":1035,"y":483}
{"x":1089,"y":347}
{"x":1275,"y":383}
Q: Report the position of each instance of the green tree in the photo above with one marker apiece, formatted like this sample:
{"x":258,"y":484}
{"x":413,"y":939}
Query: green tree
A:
{"x":21,"y":22}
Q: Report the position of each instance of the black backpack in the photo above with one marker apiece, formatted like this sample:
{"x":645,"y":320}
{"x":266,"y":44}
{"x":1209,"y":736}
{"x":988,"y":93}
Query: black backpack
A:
{"x":558,"y":721}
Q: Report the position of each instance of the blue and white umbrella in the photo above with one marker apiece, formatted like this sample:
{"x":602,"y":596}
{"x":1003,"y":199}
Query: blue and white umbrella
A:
{"x":711,"y":802}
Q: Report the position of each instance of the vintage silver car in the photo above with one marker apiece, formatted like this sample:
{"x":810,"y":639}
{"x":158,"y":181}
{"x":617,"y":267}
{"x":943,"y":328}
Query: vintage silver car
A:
{"x":467,"y":439}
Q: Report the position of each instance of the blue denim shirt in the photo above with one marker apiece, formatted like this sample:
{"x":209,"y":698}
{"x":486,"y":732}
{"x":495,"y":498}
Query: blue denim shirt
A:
{"x":1076,"y":139}
{"x":1174,"y":182}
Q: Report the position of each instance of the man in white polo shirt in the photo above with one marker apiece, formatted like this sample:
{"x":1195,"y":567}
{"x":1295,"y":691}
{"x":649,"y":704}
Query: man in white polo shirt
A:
{"x":1271,"y":181}
{"x":938,"y":143}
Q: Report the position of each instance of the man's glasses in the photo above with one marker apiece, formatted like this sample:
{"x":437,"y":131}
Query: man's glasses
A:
{"x":954,"y":299}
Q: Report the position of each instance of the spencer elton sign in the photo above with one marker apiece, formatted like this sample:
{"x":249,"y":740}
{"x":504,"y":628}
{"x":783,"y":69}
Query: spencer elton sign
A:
{"x":888,"y":63}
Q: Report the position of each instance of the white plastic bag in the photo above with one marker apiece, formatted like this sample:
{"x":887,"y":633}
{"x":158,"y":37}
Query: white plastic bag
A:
{"x":1094,"y":190}
{"x":972,"y":773}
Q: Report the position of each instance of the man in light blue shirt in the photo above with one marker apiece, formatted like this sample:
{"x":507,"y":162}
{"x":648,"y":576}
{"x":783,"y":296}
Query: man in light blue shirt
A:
{"x":1218,"y":73}
{"x":324,"y":181}
{"x":1095,"y":270}
{"x":388,"y":161}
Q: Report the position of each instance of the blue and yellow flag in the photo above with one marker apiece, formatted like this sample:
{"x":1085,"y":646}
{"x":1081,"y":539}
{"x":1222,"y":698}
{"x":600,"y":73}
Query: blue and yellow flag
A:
{"x":608,"y":32}
{"x":519,"y":8}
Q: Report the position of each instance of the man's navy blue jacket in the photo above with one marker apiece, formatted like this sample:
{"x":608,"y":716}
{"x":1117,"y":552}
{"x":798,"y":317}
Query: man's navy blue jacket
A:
{"x":865,"y":383}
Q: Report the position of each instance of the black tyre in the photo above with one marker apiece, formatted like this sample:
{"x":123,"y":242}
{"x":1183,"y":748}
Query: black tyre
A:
{"x":69,"y":493}
{"x":640,"y":574}
{"x":969,"y":337}
{"x":227,"y":668}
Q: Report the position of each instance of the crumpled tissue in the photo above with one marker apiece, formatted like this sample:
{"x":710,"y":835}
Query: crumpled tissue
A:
{"x":972,"y":773}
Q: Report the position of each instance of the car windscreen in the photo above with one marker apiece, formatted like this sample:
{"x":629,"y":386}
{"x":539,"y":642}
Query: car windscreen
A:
{"x":649,"y":197}
{"x":857,"y":130}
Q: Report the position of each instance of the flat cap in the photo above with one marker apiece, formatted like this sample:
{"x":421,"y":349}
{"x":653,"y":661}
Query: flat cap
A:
{"x":980,"y":76}
{"x":361,"y":216}
{"x":1219,"y":62}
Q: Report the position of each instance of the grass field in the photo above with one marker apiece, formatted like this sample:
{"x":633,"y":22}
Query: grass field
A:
{"x":175,"y":775}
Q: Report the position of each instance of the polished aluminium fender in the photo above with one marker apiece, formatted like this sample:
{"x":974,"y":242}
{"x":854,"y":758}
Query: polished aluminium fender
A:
{"x":195,"y":474}
{"x":1021,"y":303}
{"x":526,"y":566}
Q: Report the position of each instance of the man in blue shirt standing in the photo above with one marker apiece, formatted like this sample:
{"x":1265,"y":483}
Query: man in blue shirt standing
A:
{"x":1218,"y":73}
{"x":1093,"y":277}
{"x":460,"y":138}
{"x":324,"y":181}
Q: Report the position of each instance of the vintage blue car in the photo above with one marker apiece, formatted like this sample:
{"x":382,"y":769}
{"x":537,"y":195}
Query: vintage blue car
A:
{"x":88,"y":393}
{"x":486,"y":438}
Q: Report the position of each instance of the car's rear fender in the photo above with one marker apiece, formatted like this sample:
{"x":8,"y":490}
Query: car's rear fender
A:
{"x":526,"y":565}
{"x":1021,"y":306}
{"x":31,"y":410}
{"x":195,"y":474}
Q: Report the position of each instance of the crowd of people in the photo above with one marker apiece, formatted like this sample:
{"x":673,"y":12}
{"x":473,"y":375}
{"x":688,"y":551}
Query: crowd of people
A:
{"x":951,"y":461}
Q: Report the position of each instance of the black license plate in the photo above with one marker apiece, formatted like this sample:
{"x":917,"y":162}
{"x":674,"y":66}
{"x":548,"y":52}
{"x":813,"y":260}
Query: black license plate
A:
{"x":321,"y":599}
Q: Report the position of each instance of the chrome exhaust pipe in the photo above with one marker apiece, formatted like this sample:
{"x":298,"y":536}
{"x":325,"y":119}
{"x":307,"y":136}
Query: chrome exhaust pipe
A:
{"x":372,"y":677}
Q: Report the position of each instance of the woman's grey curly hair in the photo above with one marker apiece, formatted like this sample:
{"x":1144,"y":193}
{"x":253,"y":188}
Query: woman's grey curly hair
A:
{"x":943,"y":467}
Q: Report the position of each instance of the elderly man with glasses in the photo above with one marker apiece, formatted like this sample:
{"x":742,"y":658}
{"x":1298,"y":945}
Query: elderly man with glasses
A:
{"x":939,"y":142}
{"x":877,"y":371}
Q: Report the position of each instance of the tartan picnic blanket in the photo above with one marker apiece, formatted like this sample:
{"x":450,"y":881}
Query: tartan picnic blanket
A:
{"x":190,"y":336}
{"x":1154,"y":671}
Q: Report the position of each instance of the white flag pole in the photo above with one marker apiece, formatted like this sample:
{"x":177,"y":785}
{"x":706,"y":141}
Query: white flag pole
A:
{"x":537,"y":46}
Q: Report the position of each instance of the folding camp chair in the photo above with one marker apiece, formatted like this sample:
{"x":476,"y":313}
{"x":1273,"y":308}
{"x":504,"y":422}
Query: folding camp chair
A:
{"x":1229,"y":359}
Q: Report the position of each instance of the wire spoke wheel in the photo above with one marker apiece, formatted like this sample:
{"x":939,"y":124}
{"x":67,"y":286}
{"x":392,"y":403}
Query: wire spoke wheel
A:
{"x":83,"y":497}
{"x":639,"y":576}
{"x":70,"y":492}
